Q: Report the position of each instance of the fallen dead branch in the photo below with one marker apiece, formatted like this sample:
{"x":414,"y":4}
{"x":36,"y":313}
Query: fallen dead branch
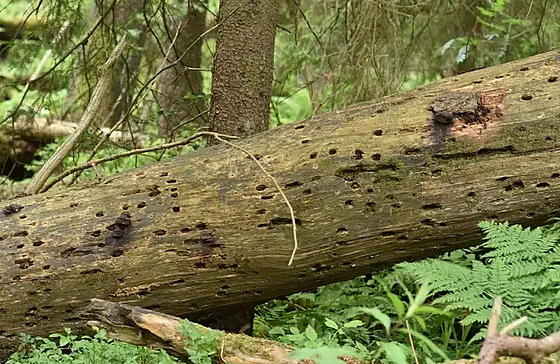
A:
{"x":157,"y":330}
{"x":500,"y":343}
{"x":45,"y":130}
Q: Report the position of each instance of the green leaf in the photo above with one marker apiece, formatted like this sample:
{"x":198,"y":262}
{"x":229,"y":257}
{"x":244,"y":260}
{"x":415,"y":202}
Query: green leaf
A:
{"x":433,"y":311}
{"x":378,"y":315}
{"x":427,"y":342}
{"x":353,"y":324}
{"x":278,"y":330}
{"x":310,"y":333}
{"x":395,"y":352}
{"x":397,"y":303}
{"x":423,"y":293}
{"x":323,"y":355}
{"x":330,"y":323}
{"x":485,"y":12}
{"x":420,"y":322}
{"x":64,"y":341}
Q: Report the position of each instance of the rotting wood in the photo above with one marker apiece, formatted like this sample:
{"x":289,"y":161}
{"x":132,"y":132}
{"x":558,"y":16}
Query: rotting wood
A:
{"x":46,"y":131}
{"x":139,"y":326}
{"x":370,"y":186}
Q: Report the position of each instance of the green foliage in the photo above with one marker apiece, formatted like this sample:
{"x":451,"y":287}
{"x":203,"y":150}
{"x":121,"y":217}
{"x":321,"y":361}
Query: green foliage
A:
{"x":68,"y":348}
{"x":323,"y":355}
{"x":443,"y":304}
{"x":292,"y":108}
{"x":503,"y":32}
{"x":367,"y":315}
{"x":521,"y":265}
{"x":202,"y":344}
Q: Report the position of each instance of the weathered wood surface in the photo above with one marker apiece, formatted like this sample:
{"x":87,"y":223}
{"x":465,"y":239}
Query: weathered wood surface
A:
{"x":160,"y":331}
{"x":372,"y":185}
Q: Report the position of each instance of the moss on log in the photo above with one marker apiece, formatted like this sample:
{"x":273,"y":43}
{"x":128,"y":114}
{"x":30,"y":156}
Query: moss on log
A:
{"x":375,"y":184}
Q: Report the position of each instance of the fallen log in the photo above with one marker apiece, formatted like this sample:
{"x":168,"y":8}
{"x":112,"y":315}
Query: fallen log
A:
{"x":155,"y":330}
{"x":46,"y":131}
{"x":401,"y":179}
{"x":22,"y":140}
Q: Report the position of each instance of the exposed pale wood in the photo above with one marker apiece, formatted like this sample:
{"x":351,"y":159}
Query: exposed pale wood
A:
{"x":45,"y":130}
{"x":156,"y":330}
{"x":370,"y":185}
{"x":501,"y":343}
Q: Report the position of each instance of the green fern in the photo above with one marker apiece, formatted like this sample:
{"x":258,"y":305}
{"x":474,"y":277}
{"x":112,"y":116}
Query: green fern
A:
{"x":521,"y":265}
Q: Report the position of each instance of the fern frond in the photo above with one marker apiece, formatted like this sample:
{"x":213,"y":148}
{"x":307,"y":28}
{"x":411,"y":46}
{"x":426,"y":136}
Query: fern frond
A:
{"x":520,"y":269}
{"x":521,"y":265}
{"x":442,"y":275}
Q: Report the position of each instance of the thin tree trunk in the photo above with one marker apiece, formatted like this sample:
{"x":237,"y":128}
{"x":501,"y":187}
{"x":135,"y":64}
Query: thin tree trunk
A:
{"x":181,"y":95}
{"x":243,"y":64}
{"x":371,"y":185}
{"x":122,"y":17}
{"x":241,"y":93}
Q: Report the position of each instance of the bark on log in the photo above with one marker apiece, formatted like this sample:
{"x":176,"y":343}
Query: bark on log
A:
{"x":372,"y":185}
{"x":139,"y":326}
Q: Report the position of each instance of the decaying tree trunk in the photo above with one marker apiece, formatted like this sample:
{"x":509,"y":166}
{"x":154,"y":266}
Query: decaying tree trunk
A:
{"x":182,"y":96}
{"x":372,"y":185}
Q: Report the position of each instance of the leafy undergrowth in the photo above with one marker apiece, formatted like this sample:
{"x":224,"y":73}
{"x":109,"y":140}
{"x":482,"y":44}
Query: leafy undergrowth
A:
{"x":441,"y":305}
{"x":444,"y":304}
{"x":68,"y":348}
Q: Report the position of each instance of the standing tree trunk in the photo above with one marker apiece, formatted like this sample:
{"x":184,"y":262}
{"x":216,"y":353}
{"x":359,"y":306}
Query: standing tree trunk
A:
{"x":243,"y":64}
{"x":470,"y":28}
{"x":241,"y":92}
{"x":181,"y":95}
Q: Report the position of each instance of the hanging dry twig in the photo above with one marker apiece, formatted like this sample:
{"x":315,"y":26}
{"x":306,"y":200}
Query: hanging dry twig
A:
{"x":292,"y":215}
{"x":496,"y":344}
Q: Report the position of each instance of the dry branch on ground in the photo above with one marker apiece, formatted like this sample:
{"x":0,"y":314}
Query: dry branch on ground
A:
{"x":156,"y":330}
